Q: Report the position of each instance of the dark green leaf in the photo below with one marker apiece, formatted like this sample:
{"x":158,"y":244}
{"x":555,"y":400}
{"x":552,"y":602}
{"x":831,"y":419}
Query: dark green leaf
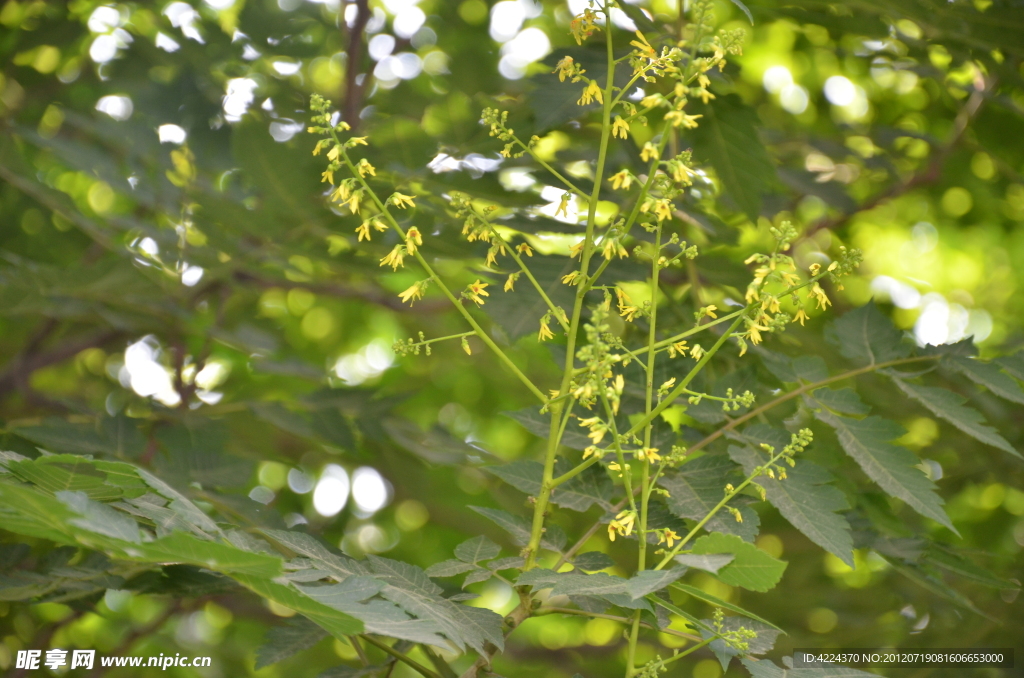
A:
{"x":592,"y":561}
{"x":894,"y":468}
{"x":806,"y":500}
{"x":295,"y":635}
{"x":727,"y":138}
{"x":990,"y":376}
{"x":867,"y":337}
{"x":950,"y":406}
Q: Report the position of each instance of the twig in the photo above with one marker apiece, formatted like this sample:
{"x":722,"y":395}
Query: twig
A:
{"x":353,"y":95}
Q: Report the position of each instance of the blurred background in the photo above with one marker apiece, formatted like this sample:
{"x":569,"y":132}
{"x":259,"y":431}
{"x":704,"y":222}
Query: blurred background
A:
{"x":163,"y":231}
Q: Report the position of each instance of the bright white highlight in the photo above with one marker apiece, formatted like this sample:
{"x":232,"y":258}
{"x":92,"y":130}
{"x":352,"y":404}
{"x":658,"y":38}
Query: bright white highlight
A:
{"x":285,"y":128}
{"x":167,"y":43}
{"x":404,"y":66}
{"x":171,"y":134}
{"x":146,"y":376}
{"x":369,"y":489}
{"x":299,"y":482}
{"x":370,"y":361}
{"x":117,"y":106}
{"x":183,"y":16}
{"x":220,"y":4}
{"x":840,"y":91}
{"x":507,"y":18}
{"x":553,"y":195}
{"x":408,"y":21}
{"x":104,"y":19}
{"x":331,"y":492}
{"x":287,"y":67}
{"x":381,"y":46}
{"x":776,"y":78}
{"x":191,"y":276}
{"x":901,"y":294}
{"x":238,"y":97}
{"x":794,"y":99}
{"x":526,"y":47}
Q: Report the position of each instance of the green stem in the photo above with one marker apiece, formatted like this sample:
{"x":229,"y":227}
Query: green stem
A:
{"x":718,"y":507}
{"x":412,"y":663}
{"x":547,"y":483}
{"x":557,"y":312}
{"x":599,"y":615}
{"x":484,"y":337}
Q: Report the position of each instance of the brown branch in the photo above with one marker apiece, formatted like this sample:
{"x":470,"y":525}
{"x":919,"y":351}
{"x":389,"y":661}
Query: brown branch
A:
{"x":929,"y":175}
{"x":21,"y":368}
{"x":353,"y":95}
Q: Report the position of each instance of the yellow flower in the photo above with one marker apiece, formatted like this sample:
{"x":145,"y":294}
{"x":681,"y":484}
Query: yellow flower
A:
{"x":710,"y":310}
{"x":622,"y":179}
{"x":679,"y":348}
{"x":364,"y":167}
{"x":394,"y":258}
{"x":356,"y":141}
{"x":327,"y":176}
{"x":590,"y":93}
{"x":413,"y":239}
{"x":353,"y":201}
{"x":363,"y":230}
{"x":819,"y":295}
{"x":402,"y":201}
{"x":545,"y":331}
{"x":697,"y":352}
{"x":476,"y":291}
{"x":571,"y":278}
{"x":334,"y":153}
{"x":648,"y":454}
{"x":622,"y":524}
{"x":620,"y":128}
{"x":801,"y":316}
{"x":591,"y":451}
{"x":668,"y":537}
{"x":563,"y":206}
{"x":525,"y":249}
{"x":564,"y":68}
{"x":651,"y":100}
{"x":510,"y":282}
{"x":413,"y":293}
{"x":649,"y":152}
{"x":576,"y":249}
{"x":663,"y":209}
{"x":643,"y":48}
{"x":791,"y":279}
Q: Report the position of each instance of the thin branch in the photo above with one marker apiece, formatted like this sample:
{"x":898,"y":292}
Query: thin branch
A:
{"x":353,"y":95}
{"x":412,"y":663}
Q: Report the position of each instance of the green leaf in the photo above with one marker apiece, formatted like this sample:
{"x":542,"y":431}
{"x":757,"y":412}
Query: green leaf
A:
{"x":1014,"y":364}
{"x":807,"y":501}
{"x":990,"y":376}
{"x":866,"y":336}
{"x":66,"y":472}
{"x":476,"y":549}
{"x":181,"y":504}
{"x":539,"y":425}
{"x":844,"y":400}
{"x":745,"y":10}
{"x":378,"y":616}
{"x":649,"y":581}
{"x":449,"y":568}
{"x":100,"y":518}
{"x":894,"y":468}
{"x":410,"y":588}
{"x":476,"y":577}
{"x":295,"y":635}
{"x":752,"y":568}
{"x":697,"y":487}
{"x":718,"y":602}
{"x":554,"y":538}
{"x":335,"y":622}
{"x":950,"y":406}
{"x":709,"y":563}
{"x":306,"y":545}
{"x":727,"y":138}
{"x":592,"y":561}
{"x":611,"y":588}
{"x":951,"y":561}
